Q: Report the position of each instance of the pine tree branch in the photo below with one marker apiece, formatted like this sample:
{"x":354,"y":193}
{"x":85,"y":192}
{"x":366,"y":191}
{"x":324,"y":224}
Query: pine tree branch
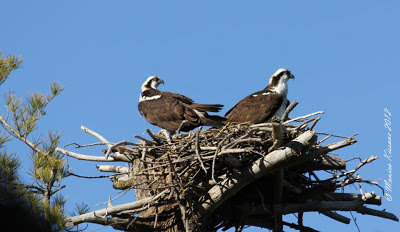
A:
{"x":17,"y":135}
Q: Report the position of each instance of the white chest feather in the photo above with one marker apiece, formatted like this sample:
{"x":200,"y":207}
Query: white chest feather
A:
{"x":145,"y":98}
{"x":281,"y":109}
{"x":281,"y":88}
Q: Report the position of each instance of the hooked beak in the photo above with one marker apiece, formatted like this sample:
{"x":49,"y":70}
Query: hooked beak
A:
{"x":160,"y":81}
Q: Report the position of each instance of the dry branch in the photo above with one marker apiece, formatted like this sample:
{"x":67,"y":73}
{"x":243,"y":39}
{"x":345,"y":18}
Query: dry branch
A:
{"x":102,"y":213}
{"x":112,"y":168}
{"x":83,"y":157}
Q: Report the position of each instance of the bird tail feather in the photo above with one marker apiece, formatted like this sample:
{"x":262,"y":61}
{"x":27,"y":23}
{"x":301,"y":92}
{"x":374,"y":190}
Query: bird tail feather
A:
{"x":213,"y":120}
{"x":207,"y":107}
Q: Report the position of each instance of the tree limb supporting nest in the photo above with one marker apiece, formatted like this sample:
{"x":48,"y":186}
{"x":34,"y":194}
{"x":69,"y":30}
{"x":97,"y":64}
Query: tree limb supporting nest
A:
{"x":234,"y":176}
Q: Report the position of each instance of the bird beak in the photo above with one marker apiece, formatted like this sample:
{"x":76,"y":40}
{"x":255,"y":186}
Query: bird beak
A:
{"x":161,"y":81}
{"x":291,"y":76}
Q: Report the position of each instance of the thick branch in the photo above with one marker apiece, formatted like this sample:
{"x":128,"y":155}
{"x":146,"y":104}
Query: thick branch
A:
{"x":92,"y":216}
{"x":322,"y":206}
{"x":369,"y":198}
{"x":112,"y":168}
{"x":276,"y":159}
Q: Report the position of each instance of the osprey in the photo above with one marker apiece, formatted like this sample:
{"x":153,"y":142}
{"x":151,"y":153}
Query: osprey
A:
{"x":173,"y":111}
{"x":261,"y":106}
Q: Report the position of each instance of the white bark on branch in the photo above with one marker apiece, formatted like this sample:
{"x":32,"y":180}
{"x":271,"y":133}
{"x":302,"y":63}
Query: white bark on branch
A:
{"x":83,"y":157}
{"x":102,"y":213}
{"x":112,"y":168}
{"x":231,"y":185}
{"x":303,"y":117}
{"x":97,"y":135}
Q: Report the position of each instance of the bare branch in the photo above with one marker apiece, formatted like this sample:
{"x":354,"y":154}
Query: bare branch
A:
{"x":87,"y":217}
{"x":336,"y":216}
{"x":95,"y":134}
{"x":83,"y":157}
{"x":303,"y":117}
{"x":288,"y":110}
{"x":112,"y":168}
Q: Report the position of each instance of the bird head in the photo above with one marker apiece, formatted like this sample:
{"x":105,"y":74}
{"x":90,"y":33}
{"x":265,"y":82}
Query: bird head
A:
{"x":281,"y":76}
{"x":152,"y":83}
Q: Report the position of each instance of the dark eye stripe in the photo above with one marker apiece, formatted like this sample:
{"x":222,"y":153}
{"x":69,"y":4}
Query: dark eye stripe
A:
{"x":284,"y":72}
{"x":281,"y":74}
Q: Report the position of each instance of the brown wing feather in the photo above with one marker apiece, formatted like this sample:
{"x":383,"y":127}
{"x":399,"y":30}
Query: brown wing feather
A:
{"x":179,"y":97}
{"x":255,"y":109}
{"x":168,"y":113}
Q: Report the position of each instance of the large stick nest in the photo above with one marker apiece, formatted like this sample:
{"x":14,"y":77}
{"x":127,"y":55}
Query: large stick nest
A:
{"x":234,"y":176}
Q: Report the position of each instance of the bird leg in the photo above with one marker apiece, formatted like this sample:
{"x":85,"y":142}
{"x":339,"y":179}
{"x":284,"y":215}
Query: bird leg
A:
{"x":166,"y":135}
{"x":180,"y":126}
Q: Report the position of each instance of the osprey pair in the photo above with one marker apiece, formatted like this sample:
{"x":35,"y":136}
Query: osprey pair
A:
{"x":174,"y":112}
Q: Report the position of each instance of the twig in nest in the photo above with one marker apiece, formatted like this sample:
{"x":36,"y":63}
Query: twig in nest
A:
{"x":288,"y":110}
{"x":178,"y":179}
{"x":146,"y":140}
{"x":154,"y":137}
{"x":314,"y":123}
{"x":303,"y":117}
{"x":197,"y":148}
{"x":217,"y":152}
{"x":324,"y":139}
{"x":301,"y":126}
{"x":364,"y":162}
{"x":114,"y":146}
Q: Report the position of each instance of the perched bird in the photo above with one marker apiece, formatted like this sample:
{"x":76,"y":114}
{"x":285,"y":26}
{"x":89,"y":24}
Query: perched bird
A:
{"x":174,"y":112}
{"x":261,"y":106}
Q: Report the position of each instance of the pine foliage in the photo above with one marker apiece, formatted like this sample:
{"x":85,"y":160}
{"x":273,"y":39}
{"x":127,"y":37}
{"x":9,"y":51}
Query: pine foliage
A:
{"x":35,"y":206}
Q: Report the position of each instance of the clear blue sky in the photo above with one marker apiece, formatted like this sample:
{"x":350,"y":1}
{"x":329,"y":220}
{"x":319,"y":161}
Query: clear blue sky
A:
{"x":345,"y":56}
